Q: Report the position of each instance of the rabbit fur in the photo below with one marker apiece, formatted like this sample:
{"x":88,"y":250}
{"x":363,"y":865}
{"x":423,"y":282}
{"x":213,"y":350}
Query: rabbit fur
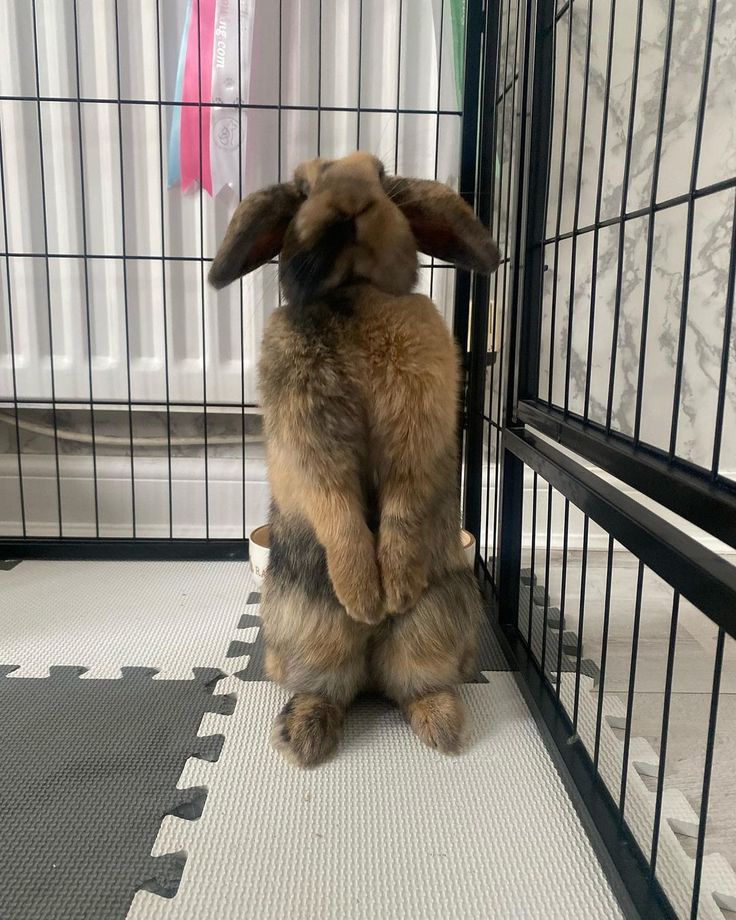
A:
{"x":367,"y":586}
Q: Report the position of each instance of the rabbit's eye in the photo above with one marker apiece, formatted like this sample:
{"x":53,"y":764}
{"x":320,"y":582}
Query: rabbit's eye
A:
{"x":302,"y":186}
{"x":381,"y":170}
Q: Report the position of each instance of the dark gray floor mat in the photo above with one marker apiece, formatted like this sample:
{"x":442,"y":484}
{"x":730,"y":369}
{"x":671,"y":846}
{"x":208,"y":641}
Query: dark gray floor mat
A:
{"x":549,"y":639}
{"x":490,"y":654}
{"x":88,"y":770}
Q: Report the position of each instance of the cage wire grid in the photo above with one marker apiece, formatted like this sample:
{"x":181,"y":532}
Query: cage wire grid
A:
{"x":616,"y":218}
{"x":121,"y":317}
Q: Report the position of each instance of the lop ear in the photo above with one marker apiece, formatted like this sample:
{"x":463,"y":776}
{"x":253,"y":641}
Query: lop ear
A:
{"x":443,"y":224}
{"x":255,"y":234}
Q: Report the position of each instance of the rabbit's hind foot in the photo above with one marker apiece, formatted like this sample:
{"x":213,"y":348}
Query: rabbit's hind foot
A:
{"x":308,"y":729}
{"x":438,"y":719}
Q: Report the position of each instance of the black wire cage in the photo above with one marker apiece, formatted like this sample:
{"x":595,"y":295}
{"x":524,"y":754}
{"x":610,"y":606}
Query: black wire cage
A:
{"x":596,"y":139}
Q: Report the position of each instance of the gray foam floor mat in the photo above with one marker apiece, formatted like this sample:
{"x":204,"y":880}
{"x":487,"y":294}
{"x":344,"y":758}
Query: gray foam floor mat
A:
{"x":89,"y":769}
{"x":388,"y":829}
{"x":172,"y":616}
{"x":90,"y":765}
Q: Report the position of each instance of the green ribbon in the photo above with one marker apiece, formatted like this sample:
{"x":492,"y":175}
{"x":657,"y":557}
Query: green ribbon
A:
{"x":457,"y":16}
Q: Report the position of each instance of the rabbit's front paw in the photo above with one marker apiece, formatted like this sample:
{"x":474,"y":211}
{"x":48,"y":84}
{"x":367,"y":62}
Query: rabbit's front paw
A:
{"x":360,"y":593}
{"x":404,"y":579}
{"x":367,"y":606}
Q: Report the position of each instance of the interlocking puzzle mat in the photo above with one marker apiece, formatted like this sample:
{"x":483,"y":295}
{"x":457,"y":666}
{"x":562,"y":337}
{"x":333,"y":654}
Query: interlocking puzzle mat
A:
{"x":387,"y":829}
{"x":172,"y":616}
{"x":94,"y":762}
{"x":89,"y":769}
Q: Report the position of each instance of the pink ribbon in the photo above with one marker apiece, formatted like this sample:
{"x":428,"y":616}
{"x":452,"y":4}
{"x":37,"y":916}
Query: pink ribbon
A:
{"x":195,"y":131}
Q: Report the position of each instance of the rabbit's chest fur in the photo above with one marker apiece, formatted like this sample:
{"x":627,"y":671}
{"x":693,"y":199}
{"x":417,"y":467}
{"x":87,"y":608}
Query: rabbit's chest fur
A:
{"x":356,"y":389}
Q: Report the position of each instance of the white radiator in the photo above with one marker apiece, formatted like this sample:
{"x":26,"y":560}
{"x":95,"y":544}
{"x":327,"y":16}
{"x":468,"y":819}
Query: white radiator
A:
{"x":134,"y":321}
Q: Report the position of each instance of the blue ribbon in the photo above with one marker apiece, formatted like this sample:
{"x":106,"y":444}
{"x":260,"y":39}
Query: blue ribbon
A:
{"x":174,"y":140}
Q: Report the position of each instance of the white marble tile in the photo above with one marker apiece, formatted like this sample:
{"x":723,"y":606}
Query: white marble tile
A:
{"x":711,"y":232}
{"x":718,"y":155}
{"x":628,"y":343}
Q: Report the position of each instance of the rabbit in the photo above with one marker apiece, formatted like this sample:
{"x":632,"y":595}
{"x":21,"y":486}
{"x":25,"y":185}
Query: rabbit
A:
{"x":367,"y":585}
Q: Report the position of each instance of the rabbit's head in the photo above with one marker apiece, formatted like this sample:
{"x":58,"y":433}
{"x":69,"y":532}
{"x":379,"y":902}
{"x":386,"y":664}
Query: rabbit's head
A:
{"x":342,"y":221}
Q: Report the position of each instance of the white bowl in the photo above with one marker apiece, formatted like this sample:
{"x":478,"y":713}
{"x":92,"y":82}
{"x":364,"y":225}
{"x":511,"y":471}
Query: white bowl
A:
{"x":259,"y":548}
{"x":468,"y":546}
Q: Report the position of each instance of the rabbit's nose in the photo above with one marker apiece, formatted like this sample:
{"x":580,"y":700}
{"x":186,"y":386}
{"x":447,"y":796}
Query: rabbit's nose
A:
{"x":349,"y":197}
{"x":335,"y":202}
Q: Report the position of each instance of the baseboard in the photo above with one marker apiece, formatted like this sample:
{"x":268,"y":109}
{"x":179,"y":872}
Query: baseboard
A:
{"x":231,"y":491}
{"x":234,"y":502}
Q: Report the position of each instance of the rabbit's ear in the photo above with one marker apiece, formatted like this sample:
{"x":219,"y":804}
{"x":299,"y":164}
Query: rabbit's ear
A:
{"x":256,"y":232}
{"x":443,"y":224}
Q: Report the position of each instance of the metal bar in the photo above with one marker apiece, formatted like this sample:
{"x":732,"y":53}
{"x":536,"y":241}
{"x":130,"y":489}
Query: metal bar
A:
{"x":489,"y":449}
{"x":704,"y":578}
{"x":138,"y":548}
{"x":576,"y":213}
{"x":560,"y":189}
{"x":581,"y":622}
{"x":680,"y":361}
{"x":539,"y":161}
{"x":360,"y":73}
{"x":512,"y":340}
{"x":44,"y":213}
{"x":563,"y":592}
{"x":143,"y":257}
{"x":511,"y":470}
{"x":11,"y":334}
{"x":164,"y":300}
{"x":715,"y":188}
{"x":437,"y":125}
{"x":490,"y":151}
{"x":671,"y":651}
{"x":631,"y":689}
{"x":319,"y":80}
{"x":125,"y":265}
{"x":656,"y":163}
{"x":398,"y":90}
{"x":81,"y":401}
{"x":505,"y":306}
{"x":512,"y":497}
{"x":604,"y":653}
{"x":680,"y":487}
{"x":262,"y":106}
{"x":532,"y":566}
{"x":468,"y":176}
{"x":707,"y":771}
{"x":507,"y":88}
{"x":480,"y":287}
{"x":202,"y":279}
{"x":87,"y":310}
{"x":545,"y":614}
{"x":468,"y":151}
{"x":280,"y":105}
{"x":598,"y":203}
{"x":725,"y":350}
{"x":622,"y":225}
{"x":490,"y":204}
{"x":240,"y":281}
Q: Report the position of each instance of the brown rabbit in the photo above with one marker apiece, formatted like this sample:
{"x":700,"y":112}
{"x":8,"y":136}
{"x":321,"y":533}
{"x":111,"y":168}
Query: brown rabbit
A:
{"x":367,"y":584}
